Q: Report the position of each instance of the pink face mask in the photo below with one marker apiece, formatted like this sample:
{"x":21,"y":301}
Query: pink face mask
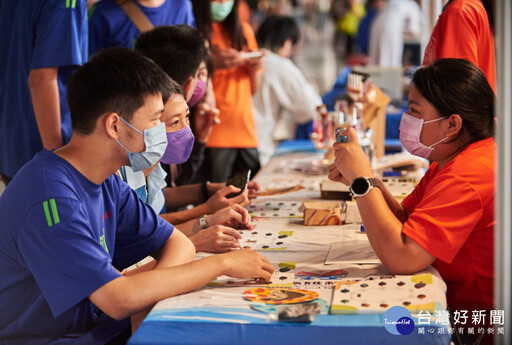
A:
{"x":199,"y":92}
{"x":410,"y":131}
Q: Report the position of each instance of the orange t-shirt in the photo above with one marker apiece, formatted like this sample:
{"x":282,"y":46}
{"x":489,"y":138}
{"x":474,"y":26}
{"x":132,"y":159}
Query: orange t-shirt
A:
{"x":244,"y":12}
{"x":232,"y":88}
{"x":452,"y":218}
{"x":463,"y":31}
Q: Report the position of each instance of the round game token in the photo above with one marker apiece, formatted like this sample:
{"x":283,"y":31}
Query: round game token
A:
{"x":279,"y":296}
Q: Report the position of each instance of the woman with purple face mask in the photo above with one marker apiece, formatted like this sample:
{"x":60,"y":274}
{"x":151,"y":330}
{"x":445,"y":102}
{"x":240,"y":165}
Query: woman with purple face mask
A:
{"x":448,"y":220}
{"x":211,"y":232}
{"x":210,"y":225}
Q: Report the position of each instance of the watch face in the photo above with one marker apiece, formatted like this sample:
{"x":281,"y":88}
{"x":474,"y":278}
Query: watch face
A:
{"x":360,"y":186}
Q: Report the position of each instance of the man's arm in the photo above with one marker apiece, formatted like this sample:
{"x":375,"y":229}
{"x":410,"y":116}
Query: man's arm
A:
{"x":176,"y":251}
{"x":183,"y":216}
{"x":125,"y":296}
{"x":44,"y":90}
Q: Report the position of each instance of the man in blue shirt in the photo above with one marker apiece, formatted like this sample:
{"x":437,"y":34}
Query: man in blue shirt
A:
{"x":110,"y":26}
{"x":42,"y":43}
{"x":69,"y":225}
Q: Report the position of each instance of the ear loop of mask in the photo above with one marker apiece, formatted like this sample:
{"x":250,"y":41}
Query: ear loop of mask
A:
{"x":130,"y":125}
{"x":435,"y":120}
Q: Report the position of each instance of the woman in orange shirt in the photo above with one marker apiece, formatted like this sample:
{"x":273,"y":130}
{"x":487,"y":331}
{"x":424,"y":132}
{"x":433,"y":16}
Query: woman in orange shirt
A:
{"x":232,"y":145}
{"x":448,"y":220}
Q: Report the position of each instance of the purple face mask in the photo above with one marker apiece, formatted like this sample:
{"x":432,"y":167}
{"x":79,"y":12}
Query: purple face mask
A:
{"x":179,"y":146}
{"x":199,"y":92}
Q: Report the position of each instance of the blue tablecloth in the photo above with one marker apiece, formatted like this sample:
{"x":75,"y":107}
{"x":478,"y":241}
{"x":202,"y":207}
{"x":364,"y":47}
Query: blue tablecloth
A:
{"x":197,"y":326}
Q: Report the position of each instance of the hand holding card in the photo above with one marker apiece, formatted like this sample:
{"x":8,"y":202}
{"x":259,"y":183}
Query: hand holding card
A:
{"x":239,"y":180}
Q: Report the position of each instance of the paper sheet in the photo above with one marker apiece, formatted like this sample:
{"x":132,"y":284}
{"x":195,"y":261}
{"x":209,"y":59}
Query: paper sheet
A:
{"x":351,"y":252}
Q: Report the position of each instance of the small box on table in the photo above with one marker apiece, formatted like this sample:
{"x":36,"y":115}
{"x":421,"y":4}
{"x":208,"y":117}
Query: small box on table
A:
{"x":322,"y":213}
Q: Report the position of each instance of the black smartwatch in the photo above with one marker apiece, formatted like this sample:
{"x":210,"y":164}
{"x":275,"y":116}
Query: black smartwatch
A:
{"x":362,"y":186}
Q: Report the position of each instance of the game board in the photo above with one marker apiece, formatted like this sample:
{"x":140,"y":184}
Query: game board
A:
{"x":265,"y":239}
{"x":279,"y":296}
{"x":420,"y":292}
{"x":261,"y":208}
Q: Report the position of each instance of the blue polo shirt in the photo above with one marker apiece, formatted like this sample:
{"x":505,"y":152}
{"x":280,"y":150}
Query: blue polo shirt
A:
{"x":109,"y":25}
{"x":61,"y":238}
{"x":35,"y":34}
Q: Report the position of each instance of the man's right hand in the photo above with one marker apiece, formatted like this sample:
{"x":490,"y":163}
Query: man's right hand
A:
{"x":246,"y":264}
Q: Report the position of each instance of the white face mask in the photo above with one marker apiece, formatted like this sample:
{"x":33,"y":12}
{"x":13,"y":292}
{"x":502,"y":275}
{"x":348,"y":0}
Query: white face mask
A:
{"x":155,"y":140}
{"x":410,"y":131}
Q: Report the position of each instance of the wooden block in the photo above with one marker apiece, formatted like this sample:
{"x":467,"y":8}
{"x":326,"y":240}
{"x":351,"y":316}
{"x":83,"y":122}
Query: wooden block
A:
{"x":321,"y":213}
{"x":352,"y":213}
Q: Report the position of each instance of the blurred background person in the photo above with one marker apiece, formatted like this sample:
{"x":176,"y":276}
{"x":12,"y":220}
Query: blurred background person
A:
{"x":396,"y":19}
{"x":465,"y":30}
{"x":284,"y":98}
{"x":232,"y":145}
{"x":110,"y":26}
{"x":362,"y":40}
{"x":42,"y":43}
{"x":346,"y":14}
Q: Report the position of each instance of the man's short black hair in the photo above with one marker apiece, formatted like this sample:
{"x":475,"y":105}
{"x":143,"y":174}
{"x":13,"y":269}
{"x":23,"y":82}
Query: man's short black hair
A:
{"x":275,"y":30}
{"x":114,"y":80}
{"x":178,"y":49}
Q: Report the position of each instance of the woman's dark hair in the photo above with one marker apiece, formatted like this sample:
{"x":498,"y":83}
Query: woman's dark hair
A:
{"x":456,"y":86}
{"x":232,"y":25}
{"x":114,"y":80}
{"x":275,"y":30}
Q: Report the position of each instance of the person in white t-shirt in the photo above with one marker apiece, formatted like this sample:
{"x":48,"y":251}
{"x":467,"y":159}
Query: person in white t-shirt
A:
{"x":398,"y":18}
{"x":284,"y":98}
